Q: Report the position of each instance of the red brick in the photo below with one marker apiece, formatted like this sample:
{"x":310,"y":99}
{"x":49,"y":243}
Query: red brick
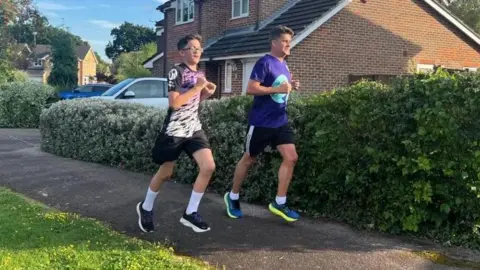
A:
{"x":364,"y":39}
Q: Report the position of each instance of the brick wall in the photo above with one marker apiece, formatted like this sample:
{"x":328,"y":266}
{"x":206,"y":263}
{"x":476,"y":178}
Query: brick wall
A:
{"x":160,"y":43}
{"x":157,"y":70}
{"x":241,"y":22}
{"x":214,"y":18}
{"x":365,"y":39}
{"x":175,"y":32}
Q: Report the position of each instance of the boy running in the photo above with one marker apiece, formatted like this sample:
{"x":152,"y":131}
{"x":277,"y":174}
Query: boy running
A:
{"x":270,"y":83}
{"x":182,"y":131}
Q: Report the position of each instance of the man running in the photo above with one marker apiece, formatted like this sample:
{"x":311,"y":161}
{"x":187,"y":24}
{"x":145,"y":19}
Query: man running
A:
{"x":270,"y":83}
{"x":182,"y":131}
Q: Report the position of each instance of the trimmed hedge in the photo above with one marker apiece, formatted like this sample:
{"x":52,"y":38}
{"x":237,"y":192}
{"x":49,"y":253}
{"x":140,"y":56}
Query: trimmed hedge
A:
{"x":21,"y":104}
{"x":399,"y":158}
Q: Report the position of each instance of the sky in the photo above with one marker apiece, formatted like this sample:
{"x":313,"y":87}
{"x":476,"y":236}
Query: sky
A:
{"x":93,"y":20}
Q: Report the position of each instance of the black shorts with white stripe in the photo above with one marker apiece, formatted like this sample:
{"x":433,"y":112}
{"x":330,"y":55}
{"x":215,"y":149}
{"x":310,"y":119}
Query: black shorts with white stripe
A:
{"x":258,"y":138}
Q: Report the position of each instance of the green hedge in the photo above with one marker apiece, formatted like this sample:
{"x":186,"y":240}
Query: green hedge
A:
{"x":21,"y":103}
{"x":400,"y":158}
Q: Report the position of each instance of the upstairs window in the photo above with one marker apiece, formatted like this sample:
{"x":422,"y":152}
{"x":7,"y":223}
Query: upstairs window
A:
{"x":185,"y":9}
{"x":239,"y":8}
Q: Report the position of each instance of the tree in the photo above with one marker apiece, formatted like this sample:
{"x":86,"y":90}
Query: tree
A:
{"x":128,"y":38}
{"x":468,"y":11}
{"x":10,"y":12}
{"x":64,"y":61}
{"x":129,"y":65}
{"x":102,"y":66}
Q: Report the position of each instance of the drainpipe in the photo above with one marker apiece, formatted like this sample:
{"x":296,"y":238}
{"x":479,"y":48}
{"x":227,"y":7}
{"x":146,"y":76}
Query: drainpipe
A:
{"x":257,"y":20}
{"x":199,"y":26}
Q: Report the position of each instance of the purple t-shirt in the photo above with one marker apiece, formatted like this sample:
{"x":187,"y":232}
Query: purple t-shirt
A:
{"x":269,"y":110}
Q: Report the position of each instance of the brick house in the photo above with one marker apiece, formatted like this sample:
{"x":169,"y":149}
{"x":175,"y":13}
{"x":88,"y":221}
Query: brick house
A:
{"x":335,"y":41}
{"x":39,"y":67}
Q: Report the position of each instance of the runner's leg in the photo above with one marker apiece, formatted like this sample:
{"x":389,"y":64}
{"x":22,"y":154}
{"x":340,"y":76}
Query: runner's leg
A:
{"x":199,"y":149}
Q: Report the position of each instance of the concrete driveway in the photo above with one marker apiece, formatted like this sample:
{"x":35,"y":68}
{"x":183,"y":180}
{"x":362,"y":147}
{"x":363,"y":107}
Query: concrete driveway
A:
{"x":258,"y":241}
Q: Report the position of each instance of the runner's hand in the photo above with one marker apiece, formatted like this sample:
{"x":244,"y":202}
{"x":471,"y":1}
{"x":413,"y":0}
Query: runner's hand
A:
{"x":201,"y":82}
{"x":285,"y":87}
{"x":211,"y":87}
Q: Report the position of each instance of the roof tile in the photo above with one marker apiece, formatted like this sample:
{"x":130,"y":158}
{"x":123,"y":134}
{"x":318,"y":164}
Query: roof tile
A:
{"x":298,"y":17}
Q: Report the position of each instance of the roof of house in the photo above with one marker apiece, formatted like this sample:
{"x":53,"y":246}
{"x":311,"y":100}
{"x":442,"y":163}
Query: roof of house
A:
{"x":298,"y":17}
{"x":149,"y":62}
{"x":82,"y":51}
{"x":41,"y":50}
{"x":45,"y":50}
{"x":304,"y":17}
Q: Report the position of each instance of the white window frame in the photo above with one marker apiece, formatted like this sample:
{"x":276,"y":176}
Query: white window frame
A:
{"x":243,"y":14}
{"x":471,"y":69}
{"x":180,"y":4}
{"x":228,"y":77}
{"x":38,"y":63}
{"x":430,"y":67}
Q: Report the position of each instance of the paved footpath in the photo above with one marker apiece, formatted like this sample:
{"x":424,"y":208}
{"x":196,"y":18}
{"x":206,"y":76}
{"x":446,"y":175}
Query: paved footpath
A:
{"x":258,"y":241}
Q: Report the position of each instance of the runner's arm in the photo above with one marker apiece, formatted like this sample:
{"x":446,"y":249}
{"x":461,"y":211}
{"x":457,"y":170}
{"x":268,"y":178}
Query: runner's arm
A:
{"x":254,"y":88}
{"x":260,"y":72}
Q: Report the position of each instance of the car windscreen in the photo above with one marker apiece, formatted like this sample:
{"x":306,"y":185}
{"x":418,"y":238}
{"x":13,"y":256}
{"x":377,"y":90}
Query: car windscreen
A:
{"x":114,"y":89}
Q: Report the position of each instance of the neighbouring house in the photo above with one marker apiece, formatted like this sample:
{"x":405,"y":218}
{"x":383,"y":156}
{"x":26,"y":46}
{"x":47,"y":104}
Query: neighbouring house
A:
{"x":21,"y":52}
{"x":336,"y":41}
{"x":40,"y":66}
{"x":154,"y":63}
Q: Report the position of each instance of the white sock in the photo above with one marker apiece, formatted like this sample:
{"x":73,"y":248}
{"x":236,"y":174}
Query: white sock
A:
{"x":280,"y":200}
{"x":194,"y":202}
{"x":234,"y":196}
{"x":149,"y":199}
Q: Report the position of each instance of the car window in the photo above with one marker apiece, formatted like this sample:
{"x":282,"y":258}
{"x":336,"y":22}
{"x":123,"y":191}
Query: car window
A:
{"x":117,"y":87}
{"x":85,"y":89}
{"x":149,"y":89}
{"x":100,"y":88}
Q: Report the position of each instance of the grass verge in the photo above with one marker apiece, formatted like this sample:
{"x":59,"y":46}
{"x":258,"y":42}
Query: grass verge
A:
{"x":442,"y":259}
{"x":35,"y":237}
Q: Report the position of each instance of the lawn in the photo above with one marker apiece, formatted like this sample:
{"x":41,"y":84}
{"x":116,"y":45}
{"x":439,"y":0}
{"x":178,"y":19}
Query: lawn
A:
{"x":35,"y":237}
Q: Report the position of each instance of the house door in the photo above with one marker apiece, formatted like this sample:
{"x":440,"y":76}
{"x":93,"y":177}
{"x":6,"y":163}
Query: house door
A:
{"x":247,"y":71}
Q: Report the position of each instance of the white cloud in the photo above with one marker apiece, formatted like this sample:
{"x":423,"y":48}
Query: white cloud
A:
{"x":160,"y":1}
{"x":49,"y":6}
{"x":104,"y":24}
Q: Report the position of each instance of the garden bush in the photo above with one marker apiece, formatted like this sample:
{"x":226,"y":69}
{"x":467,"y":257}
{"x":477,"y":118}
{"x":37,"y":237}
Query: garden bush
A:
{"x":21,"y":103}
{"x":399,"y":158}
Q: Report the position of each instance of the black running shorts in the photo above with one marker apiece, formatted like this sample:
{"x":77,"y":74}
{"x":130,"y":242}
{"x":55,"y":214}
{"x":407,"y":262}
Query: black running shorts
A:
{"x":168,"y":148}
{"x":258,"y":138}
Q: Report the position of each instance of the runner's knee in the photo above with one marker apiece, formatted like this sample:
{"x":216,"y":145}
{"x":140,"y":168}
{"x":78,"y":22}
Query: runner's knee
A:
{"x":290,"y":157}
{"x":248,"y":160}
{"x":207,"y":167}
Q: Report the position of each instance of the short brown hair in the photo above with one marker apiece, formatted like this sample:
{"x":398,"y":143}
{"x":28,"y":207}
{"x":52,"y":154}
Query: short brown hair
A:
{"x":182,"y":43}
{"x":280,"y":30}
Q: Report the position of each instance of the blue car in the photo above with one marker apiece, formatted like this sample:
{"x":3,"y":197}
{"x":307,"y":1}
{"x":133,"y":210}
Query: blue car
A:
{"x":88,"y":90}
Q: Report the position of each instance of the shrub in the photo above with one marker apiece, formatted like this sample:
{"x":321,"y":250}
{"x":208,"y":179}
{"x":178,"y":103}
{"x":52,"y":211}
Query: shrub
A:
{"x":20,"y":76}
{"x":21,"y":104}
{"x":399,"y":158}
